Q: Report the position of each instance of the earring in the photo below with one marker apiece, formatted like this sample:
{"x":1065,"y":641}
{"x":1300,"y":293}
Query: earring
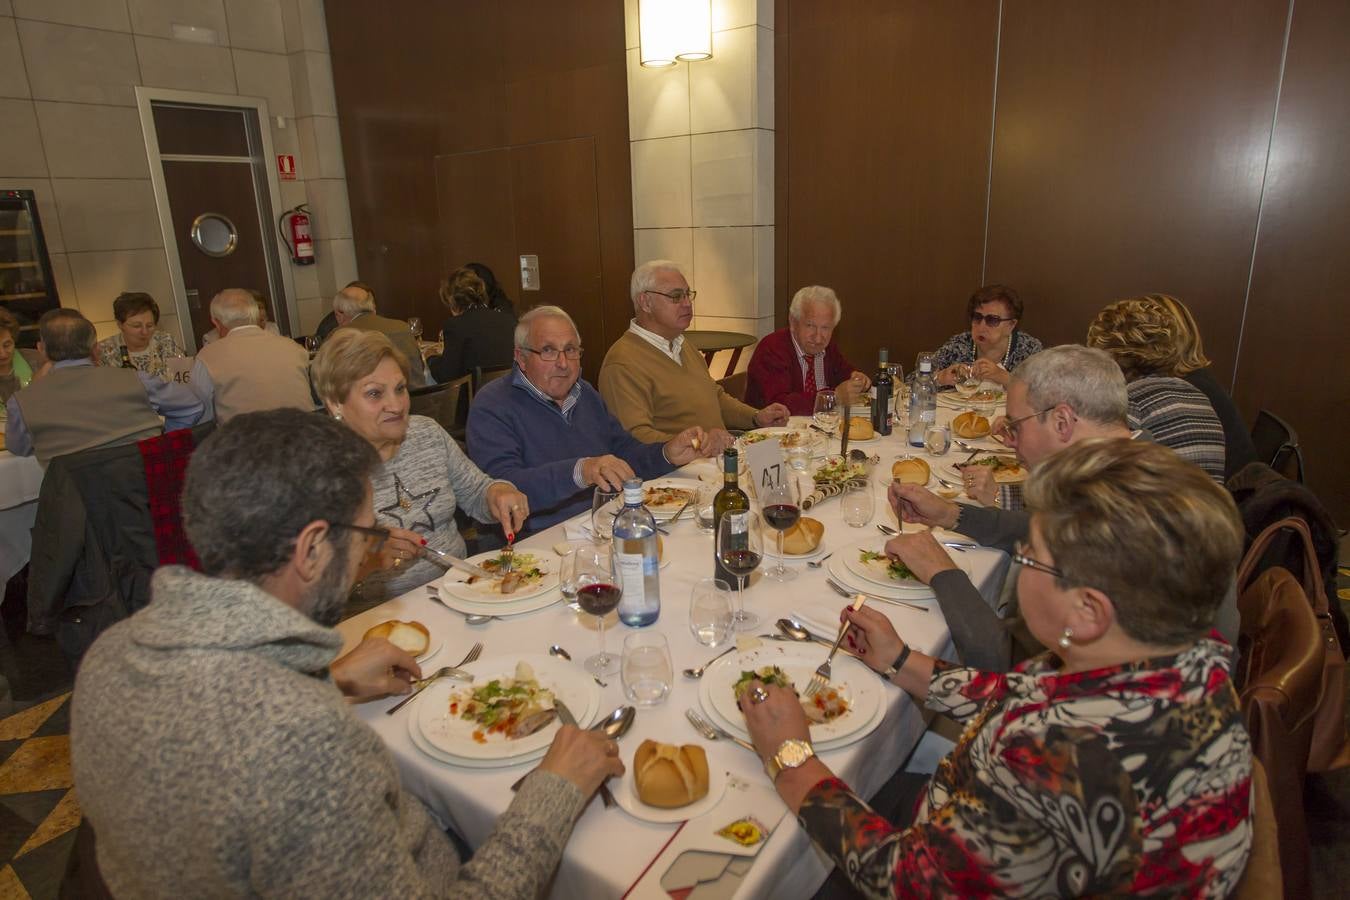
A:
{"x":1066,"y":639}
{"x":337,"y":417}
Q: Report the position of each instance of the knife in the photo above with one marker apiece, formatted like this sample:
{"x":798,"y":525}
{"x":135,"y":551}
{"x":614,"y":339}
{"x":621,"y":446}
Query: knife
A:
{"x":839,"y":589}
{"x":425,"y":683}
{"x":566,"y":717}
{"x":454,"y":562}
{"x":675,"y":518}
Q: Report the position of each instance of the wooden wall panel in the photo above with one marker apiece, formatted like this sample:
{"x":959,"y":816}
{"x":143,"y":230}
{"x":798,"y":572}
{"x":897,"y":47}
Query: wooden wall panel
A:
{"x":436,"y":78}
{"x":886,"y":140}
{"x":1129,"y":152}
{"x":1293,"y":358}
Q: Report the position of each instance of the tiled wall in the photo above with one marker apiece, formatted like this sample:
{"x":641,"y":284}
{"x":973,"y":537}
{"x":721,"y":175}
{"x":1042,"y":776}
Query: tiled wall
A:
{"x":702,"y":151}
{"x":72,"y":134}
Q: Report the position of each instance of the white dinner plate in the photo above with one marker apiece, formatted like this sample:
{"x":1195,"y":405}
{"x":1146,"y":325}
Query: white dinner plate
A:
{"x":421,"y":743}
{"x":840,"y":572}
{"x":668,"y":510}
{"x":454,"y":735}
{"x":433,"y":647}
{"x":455,"y":581}
{"x":875,"y":572}
{"x":820,"y":746}
{"x":813,"y":437}
{"x":625,"y":792}
{"x":855,"y":681}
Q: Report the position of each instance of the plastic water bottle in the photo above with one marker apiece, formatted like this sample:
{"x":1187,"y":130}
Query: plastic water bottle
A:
{"x":636,"y":560}
{"x":922,"y":403}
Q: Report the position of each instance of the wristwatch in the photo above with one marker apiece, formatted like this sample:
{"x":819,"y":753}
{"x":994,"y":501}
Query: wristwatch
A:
{"x":791,"y":754}
{"x":896,"y":666}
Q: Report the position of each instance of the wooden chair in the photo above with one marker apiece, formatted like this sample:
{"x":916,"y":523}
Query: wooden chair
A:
{"x":482,"y":376}
{"x":1277,"y":445}
{"x":1261,"y":880}
{"x":447,"y":403}
{"x":734,"y":385}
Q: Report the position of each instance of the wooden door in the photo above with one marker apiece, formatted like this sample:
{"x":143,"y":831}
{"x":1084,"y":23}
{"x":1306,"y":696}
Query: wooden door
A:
{"x":541,"y":199}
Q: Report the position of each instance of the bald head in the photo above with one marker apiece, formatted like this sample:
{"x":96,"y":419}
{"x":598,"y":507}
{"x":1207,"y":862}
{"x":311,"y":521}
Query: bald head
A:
{"x":232,"y":308}
{"x":66,"y":334}
{"x":351,"y":301}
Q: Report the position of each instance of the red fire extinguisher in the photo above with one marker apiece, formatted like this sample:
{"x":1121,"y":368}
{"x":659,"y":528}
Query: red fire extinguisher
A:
{"x":294,"y":228}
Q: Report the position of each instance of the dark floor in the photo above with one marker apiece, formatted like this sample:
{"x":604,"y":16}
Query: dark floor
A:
{"x":38,"y":810}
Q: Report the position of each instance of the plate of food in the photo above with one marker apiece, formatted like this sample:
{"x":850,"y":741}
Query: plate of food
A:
{"x":836,"y":470}
{"x":843,"y":708}
{"x":787,"y":437}
{"x":664,"y":496}
{"x":508,"y":710}
{"x":531,"y":575}
{"x":665,"y":783}
{"x":868,"y":561}
{"x":1006,"y":469}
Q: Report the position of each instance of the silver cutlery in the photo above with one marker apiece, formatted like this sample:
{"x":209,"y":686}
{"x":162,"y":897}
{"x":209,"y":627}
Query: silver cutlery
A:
{"x":566,"y":717}
{"x":698,"y":672}
{"x":971,"y":448}
{"x":455,"y":671}
{"x":845,"y":592}
{"x":798,"y":633}
{"x":454,"y":562}
{"x":556,"y":650}
{"x":822,"y":673}
{"x":955,"y":545}
{"x":469,"y":618}
{"x":817,"y":563}
{"x":615,"y":725}
{"x":508,"y":558}
{"x":712,"y":732}
{"x":675,"y":518}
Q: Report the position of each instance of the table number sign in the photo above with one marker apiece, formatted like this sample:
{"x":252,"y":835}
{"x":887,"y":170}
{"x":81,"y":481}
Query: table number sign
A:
{"x":764,"y":464}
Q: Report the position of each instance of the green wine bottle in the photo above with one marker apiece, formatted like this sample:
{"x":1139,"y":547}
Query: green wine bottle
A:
{"x":729,"y":499}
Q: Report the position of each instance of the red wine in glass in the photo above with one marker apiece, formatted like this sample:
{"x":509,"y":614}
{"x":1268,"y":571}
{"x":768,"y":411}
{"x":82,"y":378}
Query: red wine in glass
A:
{"x":782,"y":516}
{"x":599,"y":599}
{"x":740,"y":562}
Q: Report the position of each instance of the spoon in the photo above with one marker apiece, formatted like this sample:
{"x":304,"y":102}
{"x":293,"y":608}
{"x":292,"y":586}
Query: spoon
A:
{"x":698,"y":673}
{"x":555,"y":650}
{"x":817,"y":563}
{"x":469,"y":618}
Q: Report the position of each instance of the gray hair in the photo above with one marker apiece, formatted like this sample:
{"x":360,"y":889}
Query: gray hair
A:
{"x":233,"y":307}
{"x":814,"y":293}
{"x":1085,"y":379}
{"x":66,"y":334}
{"x":541,"y":312}
{"x":351,"y":303}
{"x":644,"y":277}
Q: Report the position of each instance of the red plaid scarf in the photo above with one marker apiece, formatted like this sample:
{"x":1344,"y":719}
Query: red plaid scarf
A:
{"x":166,"y":460}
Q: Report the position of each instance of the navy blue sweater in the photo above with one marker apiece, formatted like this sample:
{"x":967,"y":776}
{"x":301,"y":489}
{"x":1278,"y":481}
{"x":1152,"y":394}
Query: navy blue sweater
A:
{"x":513,"y":436}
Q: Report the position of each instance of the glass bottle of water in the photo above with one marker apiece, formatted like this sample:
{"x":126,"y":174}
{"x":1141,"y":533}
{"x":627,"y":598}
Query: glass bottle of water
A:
{"x":922,"y":403}
{"x":636,"y":561}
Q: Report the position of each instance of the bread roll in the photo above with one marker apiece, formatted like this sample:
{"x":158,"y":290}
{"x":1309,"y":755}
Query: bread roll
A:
{"x":803,"y":537}
{"x":668,"y":776}
{"x":410,"y":636}
{"x":860,"y":429}
{"x":970,"y":425}
{"x":910,"y":470}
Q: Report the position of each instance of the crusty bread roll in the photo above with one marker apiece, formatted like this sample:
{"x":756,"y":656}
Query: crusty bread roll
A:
{"x":668,"y":776}
{"x":970,"y":425}
{"x":410,"y":636}
{"x":860,"y":429}
{"x":910,"y":470}
{"x":804,"y":536}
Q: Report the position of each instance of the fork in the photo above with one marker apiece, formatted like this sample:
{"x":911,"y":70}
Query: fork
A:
{"x":474,"y":652}
{"x":822,"y":674}
{"x":845,"y":592}
{"x":712,"y":732}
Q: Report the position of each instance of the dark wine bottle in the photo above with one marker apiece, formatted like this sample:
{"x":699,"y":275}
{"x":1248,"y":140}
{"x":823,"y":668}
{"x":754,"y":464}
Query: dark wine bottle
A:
{"x":729,"y":499}
{"x":885,"y":385}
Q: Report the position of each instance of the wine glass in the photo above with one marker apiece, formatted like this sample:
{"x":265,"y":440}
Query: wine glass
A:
{"x":312,"y":344}
{"x":739,"y":549}
{"x":598,"y":593}
{"x":415,"y":326}
{"x":826,"y":410}
{"x":782,"y":509}
{"x":967,"y":383}
{"x":604,"y":507}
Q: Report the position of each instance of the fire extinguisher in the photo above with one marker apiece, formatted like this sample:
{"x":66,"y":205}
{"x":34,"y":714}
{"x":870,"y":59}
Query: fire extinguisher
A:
{"x":294,"y":228}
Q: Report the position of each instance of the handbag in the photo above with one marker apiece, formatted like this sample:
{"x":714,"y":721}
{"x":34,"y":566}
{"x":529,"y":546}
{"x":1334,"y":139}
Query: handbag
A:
{"x":1330,"y":749}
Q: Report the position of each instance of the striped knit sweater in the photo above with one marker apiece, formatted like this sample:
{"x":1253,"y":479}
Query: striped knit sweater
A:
{"x":1178,"y":416}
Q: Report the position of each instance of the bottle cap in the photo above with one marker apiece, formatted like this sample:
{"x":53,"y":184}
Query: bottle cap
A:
{"x":926,"y":365}
{"x":632,"y":492}
{"x":885,"y":355}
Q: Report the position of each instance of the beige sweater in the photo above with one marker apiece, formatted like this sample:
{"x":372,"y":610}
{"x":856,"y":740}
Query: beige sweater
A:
{"x":656,"y":399}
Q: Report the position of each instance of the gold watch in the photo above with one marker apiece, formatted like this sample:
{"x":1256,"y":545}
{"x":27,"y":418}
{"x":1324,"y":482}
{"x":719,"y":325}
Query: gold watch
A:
{"x":791,"y":754}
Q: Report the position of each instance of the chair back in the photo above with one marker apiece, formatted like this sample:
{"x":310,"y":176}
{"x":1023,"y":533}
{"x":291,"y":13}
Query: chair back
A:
{"x":1277,"y":445}
{"x":1261,"y":880}
{"x":482,"y":376}
{"x":447,"y":403}
{"x":735,"y":385}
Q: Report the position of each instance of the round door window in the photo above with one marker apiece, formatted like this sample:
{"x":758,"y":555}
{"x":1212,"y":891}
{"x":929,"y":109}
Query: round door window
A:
{"x":214,"y":234}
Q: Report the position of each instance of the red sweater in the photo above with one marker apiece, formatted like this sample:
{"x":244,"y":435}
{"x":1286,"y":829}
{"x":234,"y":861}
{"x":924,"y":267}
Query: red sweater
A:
{"x":775,"y":374}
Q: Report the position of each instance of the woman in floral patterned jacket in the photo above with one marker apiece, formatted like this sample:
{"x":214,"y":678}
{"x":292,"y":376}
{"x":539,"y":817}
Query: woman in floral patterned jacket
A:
{"x":1118,"y":764}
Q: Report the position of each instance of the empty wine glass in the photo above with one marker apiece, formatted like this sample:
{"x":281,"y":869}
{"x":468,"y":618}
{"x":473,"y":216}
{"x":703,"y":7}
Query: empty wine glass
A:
{"x":967,"y":383}
{"x":604,"y":507}
{"x":739,"y":549}
{"x":782,"y":510}
{"x":415,"y":326}
{"x":312,"y":344}
{"x":598,"y":593}
{"x":710,"y":611}
{"x":826,"y":410}
{"x":567,"y":574}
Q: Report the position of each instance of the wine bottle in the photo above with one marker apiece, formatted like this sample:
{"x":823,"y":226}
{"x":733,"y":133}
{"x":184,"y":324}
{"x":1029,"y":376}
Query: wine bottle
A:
{"x":636,"y":559}
{"x":126,"y":358}
{"x":885,"y":386}
{"x":729,"y":499}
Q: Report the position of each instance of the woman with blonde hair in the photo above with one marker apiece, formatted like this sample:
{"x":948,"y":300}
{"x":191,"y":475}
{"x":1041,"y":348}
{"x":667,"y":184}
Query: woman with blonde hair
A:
{"x":423,"y":477}
{"x":1141,"y":335}
{"x":1193,"y":368}
{"x":476,"y":335}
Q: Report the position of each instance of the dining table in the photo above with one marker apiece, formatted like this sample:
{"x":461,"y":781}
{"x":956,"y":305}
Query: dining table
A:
{"x":20,"y":481}
{"x":610,"y":851}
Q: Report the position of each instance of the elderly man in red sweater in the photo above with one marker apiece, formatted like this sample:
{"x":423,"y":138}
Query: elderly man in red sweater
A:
{"x":791,"y":365}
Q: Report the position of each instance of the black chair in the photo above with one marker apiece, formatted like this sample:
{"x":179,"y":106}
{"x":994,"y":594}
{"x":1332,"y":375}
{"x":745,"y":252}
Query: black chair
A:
{"x":1277,"y":445}
{"x":482,"y":376}
{"x":447,"y":403}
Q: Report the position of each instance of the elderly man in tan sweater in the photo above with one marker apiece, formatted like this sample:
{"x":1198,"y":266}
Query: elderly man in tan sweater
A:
{"x":654,"y":381}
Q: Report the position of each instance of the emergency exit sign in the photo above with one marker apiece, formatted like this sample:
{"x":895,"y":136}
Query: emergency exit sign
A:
{"x":286,"y":167}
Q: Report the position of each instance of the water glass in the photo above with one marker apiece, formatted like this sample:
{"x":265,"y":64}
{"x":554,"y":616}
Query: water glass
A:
{"x":799,"y":456}
{"x":415,"y":326}
{"x":646,"y":670}
{"x":710,"y":611}
{"x":937,"y":439}
{"x":604,"y":507}
{"x":703,"y":506}
{"x":858,"y":504}
{"x":567,"y":574}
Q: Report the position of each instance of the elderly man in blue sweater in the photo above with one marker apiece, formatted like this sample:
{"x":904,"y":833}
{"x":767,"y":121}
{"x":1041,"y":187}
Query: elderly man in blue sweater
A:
{"x":547,"y":431}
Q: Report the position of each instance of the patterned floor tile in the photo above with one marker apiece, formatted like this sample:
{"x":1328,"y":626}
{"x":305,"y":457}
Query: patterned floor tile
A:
{"x":11,"y":888}
{"x":64,"y":817}
{"x":41,"y":764}
{"x":32,"y":807}
{"x":24,"y":724}
{"x":42,"y":870}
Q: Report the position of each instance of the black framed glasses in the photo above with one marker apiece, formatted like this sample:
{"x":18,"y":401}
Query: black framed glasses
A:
{"x":550,"y":354}
{"x":991,"y":320}
{"x":676,"y":296}
{"x":1020,"y":556}
{"x":377,"y":535}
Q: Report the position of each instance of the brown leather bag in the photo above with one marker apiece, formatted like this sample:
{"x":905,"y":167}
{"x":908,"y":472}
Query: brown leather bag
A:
{"x":1329,"y":748}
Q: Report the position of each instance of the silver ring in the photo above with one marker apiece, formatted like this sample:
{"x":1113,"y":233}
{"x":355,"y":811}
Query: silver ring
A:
{"x":758,"y":694}
{"x":515,"y":507}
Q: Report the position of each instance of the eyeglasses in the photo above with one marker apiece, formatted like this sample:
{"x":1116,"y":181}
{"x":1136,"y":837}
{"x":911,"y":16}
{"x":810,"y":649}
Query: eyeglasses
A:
{"x":378,"y":535}
{"x":550,"y":354}
{"x":1020,"y":556}
{"x":991,"y":320}
{"x":1012,"y":426}
{"x":676,"y":296}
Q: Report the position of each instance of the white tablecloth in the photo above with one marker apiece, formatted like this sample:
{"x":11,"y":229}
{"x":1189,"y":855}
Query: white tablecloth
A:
{"x":608,"y":849}
{"x":20,"y":480}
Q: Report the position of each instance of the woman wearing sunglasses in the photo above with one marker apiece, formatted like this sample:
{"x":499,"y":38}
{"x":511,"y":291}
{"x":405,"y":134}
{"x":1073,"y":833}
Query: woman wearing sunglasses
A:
{"x":993,"y":347}
{"x":1114,"y":764}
